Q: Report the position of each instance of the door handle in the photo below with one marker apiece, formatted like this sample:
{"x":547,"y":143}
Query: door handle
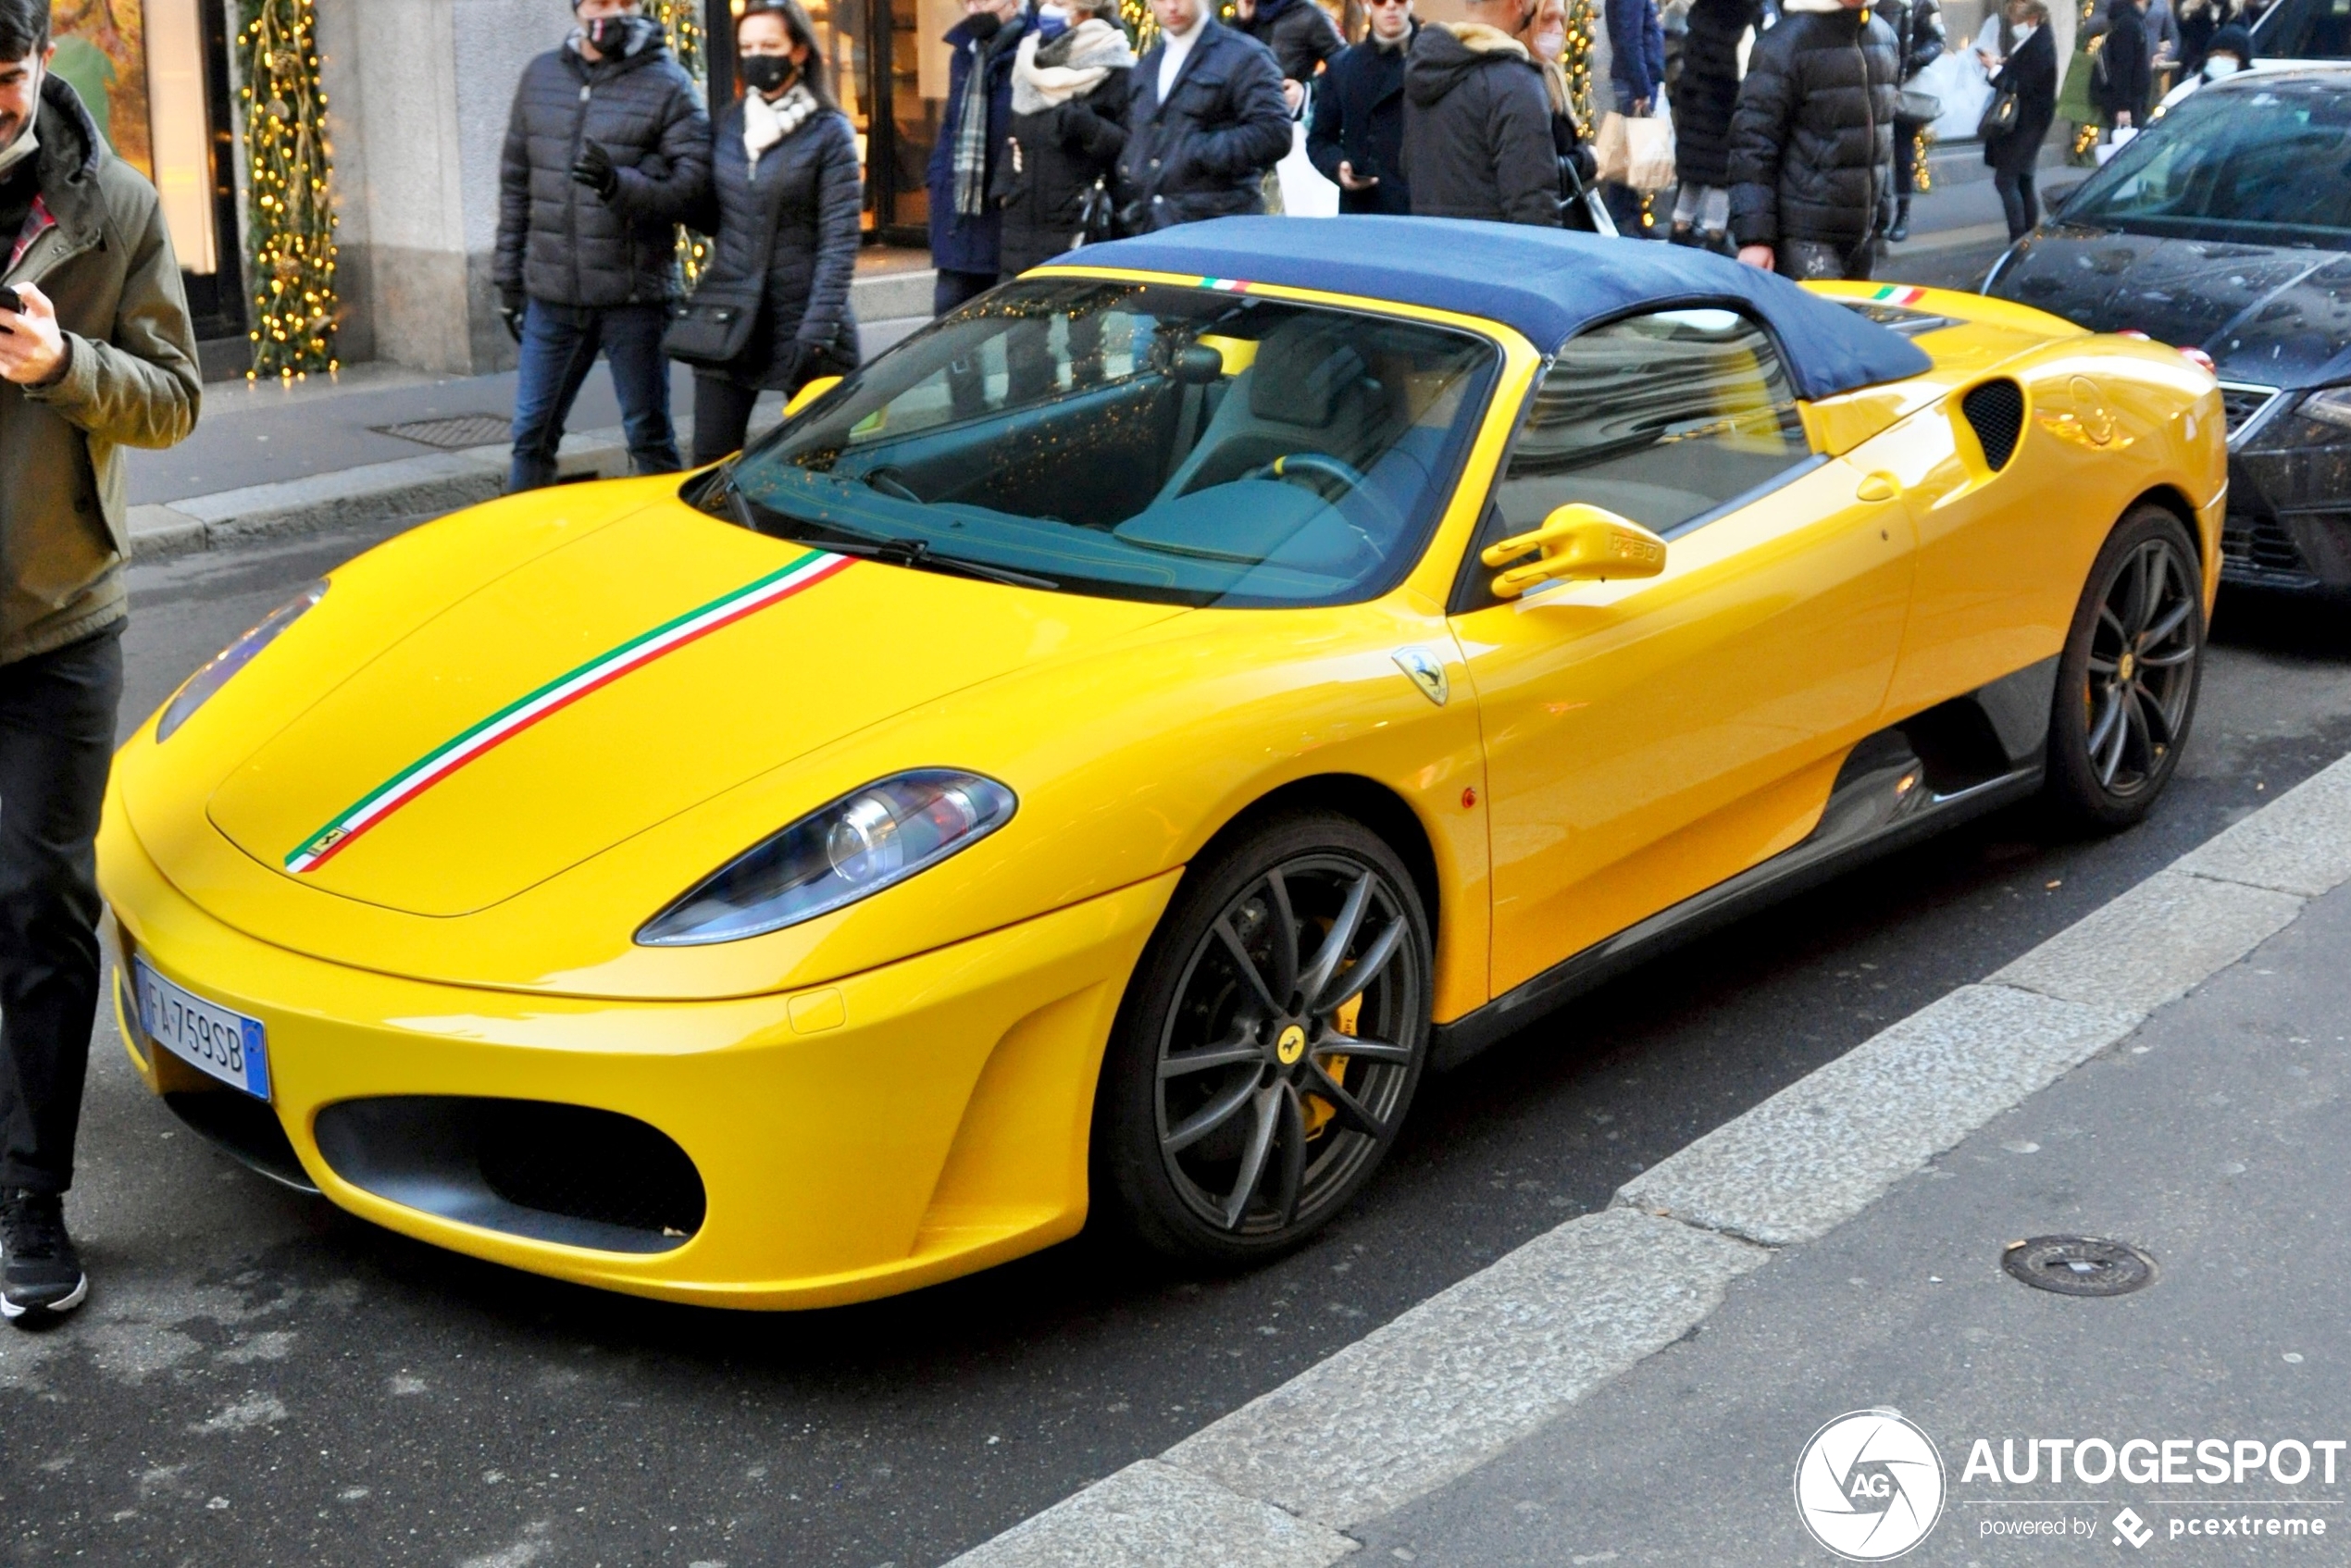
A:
{"x":1879,"y":487}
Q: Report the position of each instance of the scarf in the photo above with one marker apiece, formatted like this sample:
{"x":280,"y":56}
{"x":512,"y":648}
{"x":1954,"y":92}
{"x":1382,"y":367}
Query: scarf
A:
{"x":26,"y":142}
{"x":971,"y":132}
{"x":764,"y":124}
{"x":1046,"y":73}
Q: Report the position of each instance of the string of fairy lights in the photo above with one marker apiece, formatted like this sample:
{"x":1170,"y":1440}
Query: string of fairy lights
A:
{"x":290,"y":217}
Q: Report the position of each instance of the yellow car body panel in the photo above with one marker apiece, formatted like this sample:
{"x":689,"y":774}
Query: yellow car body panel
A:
{"x":900,"y":1090}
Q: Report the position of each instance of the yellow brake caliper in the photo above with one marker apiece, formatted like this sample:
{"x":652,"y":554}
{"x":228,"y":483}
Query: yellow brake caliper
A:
{"x":1319,"y":1111}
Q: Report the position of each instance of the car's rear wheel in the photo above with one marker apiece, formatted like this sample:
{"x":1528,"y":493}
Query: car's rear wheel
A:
{"x":1269,"y":1045}
{"x":2127,"y":680}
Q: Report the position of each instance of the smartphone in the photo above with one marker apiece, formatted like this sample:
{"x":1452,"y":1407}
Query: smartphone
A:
{"x":10,"y":303}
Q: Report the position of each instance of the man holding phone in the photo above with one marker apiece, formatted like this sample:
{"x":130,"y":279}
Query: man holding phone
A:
{"x":1356,"y":137}
{"x":96,"y":354}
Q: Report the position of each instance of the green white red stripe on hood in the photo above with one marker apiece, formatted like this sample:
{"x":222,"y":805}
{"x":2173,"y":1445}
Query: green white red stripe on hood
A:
{"x":372,"y":808}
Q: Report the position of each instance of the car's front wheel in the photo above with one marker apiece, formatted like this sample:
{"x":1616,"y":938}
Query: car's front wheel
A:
{"x":2127,"y":680}
{"x":1269,"y":1045}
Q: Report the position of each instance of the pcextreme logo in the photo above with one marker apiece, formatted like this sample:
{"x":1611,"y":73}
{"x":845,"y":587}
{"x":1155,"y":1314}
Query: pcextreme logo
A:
{"x":1870,"y":1486}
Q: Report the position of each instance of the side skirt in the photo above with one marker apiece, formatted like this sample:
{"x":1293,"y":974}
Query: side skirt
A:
{"x":1898,"y":786}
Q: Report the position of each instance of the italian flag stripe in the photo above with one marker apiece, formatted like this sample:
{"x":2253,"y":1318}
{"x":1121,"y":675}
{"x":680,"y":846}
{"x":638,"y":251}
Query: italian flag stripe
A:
{"x":558,"y":695}
{"x":1894,"y":293}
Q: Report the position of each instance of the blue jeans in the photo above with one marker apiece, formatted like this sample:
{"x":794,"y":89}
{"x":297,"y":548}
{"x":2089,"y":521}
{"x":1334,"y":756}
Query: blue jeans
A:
{"x":559,"y":347}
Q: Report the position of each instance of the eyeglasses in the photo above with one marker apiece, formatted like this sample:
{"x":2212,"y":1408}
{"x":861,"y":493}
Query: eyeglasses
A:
{"x":1383,"y":4}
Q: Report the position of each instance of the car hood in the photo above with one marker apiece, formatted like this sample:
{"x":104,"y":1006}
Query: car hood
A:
{"x":606,"y":687}
{"x":2273,"y":316}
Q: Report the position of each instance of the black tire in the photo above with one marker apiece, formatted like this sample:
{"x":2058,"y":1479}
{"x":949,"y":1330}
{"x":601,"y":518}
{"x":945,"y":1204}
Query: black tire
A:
{"x":1265,"y":1071}
{"x":2127,"y":682}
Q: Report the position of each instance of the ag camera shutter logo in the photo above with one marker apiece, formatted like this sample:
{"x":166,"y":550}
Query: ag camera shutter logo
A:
{"x":1870,"y":1486}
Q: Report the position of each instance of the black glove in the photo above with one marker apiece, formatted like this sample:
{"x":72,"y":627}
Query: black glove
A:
{"x":595,"y":169}
{"x":796,"y":365}
{"x":513,"y":307}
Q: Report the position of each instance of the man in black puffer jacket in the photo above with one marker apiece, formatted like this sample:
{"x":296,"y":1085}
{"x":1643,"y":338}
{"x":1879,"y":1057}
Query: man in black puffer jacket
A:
{"x":607,"y":150}
{"x":1477,"y":121}
{"x":1705,"y":96}
{"x":1812,"y":141}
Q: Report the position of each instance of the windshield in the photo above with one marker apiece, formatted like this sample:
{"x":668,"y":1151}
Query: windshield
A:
{"x":2304,"y":30}
{"x":1187,"y":445}
{"x":2269,"y":164}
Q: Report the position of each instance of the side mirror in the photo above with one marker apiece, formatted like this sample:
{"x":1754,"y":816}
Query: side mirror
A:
{"x":1578,"y":543}
{"x":810,"y":393}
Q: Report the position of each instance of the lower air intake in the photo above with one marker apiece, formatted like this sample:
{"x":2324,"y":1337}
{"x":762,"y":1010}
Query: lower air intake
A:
{"x":1995,"y":412}
{"x":529,"y":1167}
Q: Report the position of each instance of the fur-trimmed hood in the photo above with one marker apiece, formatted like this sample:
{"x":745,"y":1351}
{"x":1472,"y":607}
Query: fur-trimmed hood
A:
{"x":1445,"y":53}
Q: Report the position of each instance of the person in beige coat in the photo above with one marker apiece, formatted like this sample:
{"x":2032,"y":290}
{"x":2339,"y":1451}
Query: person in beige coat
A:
{"x":96,"y":354}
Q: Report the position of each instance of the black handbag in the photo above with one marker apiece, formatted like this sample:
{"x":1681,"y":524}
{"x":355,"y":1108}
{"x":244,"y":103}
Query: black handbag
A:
{"x":716,"y":326}
{"x":1999,"y":118}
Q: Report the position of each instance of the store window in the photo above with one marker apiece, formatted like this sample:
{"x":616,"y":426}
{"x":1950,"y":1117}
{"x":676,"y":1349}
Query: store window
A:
{"x":155,"y":75}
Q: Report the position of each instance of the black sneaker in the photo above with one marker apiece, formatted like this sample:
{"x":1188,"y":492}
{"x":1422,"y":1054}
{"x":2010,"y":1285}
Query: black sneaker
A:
{"x":43,"y":1272}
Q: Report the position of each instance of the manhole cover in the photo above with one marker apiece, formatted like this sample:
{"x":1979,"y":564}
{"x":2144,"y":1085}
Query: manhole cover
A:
{"x":2078,"y":1265}
{"x":456,"y":433}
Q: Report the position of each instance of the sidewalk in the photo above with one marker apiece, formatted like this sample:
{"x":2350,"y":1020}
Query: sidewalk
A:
{"x":378,"y":441}
{"x":1637,"y":1386}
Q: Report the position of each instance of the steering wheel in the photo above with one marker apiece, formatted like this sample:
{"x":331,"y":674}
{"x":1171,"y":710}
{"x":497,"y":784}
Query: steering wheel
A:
{"x":1323,"y":474}
{"x":1333,"y":480}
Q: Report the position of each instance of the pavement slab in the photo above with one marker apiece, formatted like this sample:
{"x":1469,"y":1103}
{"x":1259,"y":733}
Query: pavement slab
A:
{"x":1152,"y":1513}
{"x":1429,"y":1395}
{"x":2214,"y":1137}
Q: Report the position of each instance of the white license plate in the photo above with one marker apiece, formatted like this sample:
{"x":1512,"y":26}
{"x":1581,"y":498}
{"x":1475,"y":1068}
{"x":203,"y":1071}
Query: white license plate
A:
{"x":206,"y":1035}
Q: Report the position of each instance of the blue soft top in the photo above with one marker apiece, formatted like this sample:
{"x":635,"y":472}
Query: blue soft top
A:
{"x":1549,"y":283}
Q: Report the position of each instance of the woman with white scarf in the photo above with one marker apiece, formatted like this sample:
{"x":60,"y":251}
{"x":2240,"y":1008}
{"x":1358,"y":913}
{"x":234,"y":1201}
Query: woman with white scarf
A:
{"x":1068,"y":125}
{"x":771,"y":312}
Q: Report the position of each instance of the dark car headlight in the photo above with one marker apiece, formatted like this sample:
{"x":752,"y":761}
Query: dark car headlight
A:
{"x":864,"y":841}
{"x":2321,"y":418}
{"x":203,"y":686}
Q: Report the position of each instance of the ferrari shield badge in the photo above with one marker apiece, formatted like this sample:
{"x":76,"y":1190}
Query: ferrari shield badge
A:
{"x":1427,"y":672}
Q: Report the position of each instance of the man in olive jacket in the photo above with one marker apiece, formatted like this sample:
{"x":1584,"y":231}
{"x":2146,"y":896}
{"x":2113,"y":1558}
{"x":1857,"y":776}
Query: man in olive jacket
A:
{"x":97,"y":355}
{"x":608,"y":149}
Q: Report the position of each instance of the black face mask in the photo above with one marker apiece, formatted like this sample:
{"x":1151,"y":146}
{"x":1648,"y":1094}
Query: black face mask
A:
{"x":984,"y":26}
{"x":610,"y":34}
{"x":768,"y":74}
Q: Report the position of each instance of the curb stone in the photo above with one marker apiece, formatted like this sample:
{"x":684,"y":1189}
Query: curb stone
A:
{"x":1430,"y":1395}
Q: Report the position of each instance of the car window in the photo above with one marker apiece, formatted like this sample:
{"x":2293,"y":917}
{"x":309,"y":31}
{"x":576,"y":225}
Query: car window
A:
{"x":1188,"y":445}
{"x":2304,"y":30}
{"x":1660,"y":417}
{"x":2256,"y":162}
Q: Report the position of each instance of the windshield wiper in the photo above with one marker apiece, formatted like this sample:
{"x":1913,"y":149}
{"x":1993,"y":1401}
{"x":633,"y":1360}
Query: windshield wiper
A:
{"x":915,"y":553}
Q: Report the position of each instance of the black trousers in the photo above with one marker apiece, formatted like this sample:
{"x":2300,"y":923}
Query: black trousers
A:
{"x":56,"y":742}
{"x":2019,"y":200}
{"x":722,"y":414}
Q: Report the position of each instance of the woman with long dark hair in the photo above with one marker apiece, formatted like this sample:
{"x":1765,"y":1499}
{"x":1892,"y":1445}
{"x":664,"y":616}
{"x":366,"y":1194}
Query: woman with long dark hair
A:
{"x":772,"y":310}
{"x":2029,"y":71}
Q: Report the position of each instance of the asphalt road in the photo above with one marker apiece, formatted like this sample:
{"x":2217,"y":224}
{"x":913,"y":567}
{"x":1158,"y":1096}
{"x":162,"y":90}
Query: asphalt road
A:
{"x":260,"y":1379}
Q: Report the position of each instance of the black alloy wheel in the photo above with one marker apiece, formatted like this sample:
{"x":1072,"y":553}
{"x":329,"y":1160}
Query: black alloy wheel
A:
{"x":2128,"y":678}
{"x":1269,"y":1043}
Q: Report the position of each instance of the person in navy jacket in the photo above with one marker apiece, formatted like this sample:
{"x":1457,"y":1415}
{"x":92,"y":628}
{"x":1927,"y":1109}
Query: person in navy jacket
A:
{"x":1356,"y":137}
{"x":965,"y":222}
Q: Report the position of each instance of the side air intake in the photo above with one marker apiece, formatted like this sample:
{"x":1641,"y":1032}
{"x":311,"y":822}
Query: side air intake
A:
{"x":1996,"y":409}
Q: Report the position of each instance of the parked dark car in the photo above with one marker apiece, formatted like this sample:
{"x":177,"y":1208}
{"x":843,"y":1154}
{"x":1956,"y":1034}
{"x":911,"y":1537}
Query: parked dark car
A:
{"x":2226,"y":228}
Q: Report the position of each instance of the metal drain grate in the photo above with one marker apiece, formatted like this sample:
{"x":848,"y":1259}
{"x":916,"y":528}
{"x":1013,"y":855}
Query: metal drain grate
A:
{"x":2078,"y":1265}
{"x":456,"y":433}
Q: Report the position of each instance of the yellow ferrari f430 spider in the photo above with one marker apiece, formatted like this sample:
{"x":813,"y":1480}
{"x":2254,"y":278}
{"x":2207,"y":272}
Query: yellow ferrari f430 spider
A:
{"x":1103,"y":751}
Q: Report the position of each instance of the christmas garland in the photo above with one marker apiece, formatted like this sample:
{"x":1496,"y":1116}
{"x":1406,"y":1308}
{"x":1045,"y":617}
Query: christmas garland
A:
{"x":290,"y":218}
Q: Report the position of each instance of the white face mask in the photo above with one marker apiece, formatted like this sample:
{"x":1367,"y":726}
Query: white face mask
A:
{"x":2023,"y":33}
{"x":2221,"y":65}
{"x":1056,"y":14}
{"x":1551,"y":45}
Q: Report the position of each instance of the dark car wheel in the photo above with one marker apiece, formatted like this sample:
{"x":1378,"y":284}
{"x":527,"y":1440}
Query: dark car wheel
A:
{"x":1269,"y":1044}
{"x":2127,"y":682}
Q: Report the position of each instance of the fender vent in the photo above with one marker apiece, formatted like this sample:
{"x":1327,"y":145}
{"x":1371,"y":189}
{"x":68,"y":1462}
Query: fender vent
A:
{"x":1996,"y":410}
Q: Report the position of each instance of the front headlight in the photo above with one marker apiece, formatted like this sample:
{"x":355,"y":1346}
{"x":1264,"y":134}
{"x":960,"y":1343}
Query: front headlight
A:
{"x":2321,"y":418}
{"x":859,"y":844}
{"x":201,"y":687}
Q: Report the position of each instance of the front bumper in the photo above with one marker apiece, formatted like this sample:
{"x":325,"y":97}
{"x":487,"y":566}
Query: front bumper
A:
{"x":2289,"y":524}
{"x":891,"y":1129}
